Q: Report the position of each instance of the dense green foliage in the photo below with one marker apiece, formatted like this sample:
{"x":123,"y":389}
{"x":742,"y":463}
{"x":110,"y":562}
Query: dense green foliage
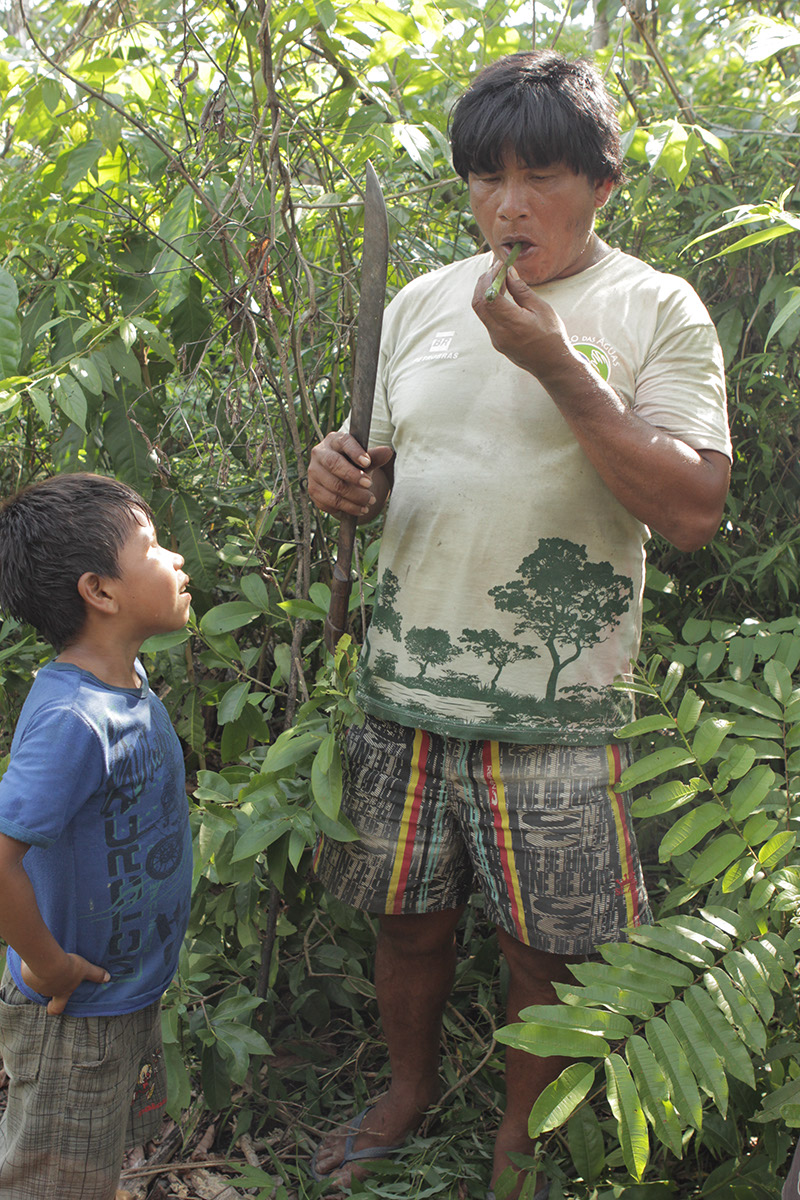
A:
{"x":179,"y":239}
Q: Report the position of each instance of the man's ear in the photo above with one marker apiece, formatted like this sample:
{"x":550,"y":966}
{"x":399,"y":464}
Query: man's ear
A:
{"x":602,"y":190}
{"x":98,"y":592}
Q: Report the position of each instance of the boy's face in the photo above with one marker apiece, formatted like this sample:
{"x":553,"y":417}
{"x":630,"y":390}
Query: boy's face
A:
{"x":152,"y":583}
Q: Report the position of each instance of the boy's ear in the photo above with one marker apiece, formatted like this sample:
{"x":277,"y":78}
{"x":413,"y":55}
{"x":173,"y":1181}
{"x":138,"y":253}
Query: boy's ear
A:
{"x":98,"y":593}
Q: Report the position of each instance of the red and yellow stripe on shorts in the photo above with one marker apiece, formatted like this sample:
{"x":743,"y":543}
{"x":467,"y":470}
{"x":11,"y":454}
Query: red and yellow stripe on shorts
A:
{"x":408,"y":825}
{"x":497,"y":796}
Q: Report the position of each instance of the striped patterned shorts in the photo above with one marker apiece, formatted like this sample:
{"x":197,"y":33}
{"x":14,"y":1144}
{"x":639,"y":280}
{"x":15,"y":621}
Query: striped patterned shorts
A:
{"x":542,"y":831}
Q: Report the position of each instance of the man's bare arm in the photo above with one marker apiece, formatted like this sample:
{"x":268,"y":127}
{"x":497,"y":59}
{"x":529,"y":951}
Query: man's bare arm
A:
{"x":676,"y":490}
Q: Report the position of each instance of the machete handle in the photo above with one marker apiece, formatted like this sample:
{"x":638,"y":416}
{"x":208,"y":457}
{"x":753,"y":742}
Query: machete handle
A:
{"x":341,"y":584}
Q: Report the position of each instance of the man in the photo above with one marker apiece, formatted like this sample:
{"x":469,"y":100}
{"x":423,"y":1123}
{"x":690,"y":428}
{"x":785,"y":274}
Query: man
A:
{"x":528,"y":441}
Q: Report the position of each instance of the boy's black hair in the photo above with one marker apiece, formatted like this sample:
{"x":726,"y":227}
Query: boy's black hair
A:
{"x":51,"y":533}
{"x":543,"y":108}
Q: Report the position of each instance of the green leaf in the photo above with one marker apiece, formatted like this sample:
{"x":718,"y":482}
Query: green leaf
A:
{"x":736,"y":925}
{"x":716,"y":858}
{"x":154,"y":338}
{"x":764,"y":955}
{"x":87,"y":375}
{"x":560,"y":1098}
{"x":546,"y":1042}
{"x":658,"y":763}
{"x":736,"y":1008}
{"x":720,"y":1035}
{"x":231,"y":705}
{"x":779,"y":681}
{"x":179,"y":1083}
{"x":675,"y":1065}
{"x":288,"y":749}
{"x":10,"y":336}
{"x":39,"y":398}
{"x":751,"y":791}
{"x":591,"y":1020}
{"x":776,"y":849}
{"x":75,"y":165}
{"x":739,"y":758}
{"x":651,"y":1084}
{"x":259,"y":835}
{"x":703,"y":1059}
{"x":781,"y":1103}
{"x":126,"y":447}
{"x":741,"y":658}
{"x":626,"y":955}
{"x":326,"y":782}
{"x":302,"y":609}
{"x":749,"y":976}
{"x":602,"y":974}
{"x":165,"y":641}
{"x":664,"y":798}
{"x":689,"y":712}
{"x":745,"y":696}
{"x":624,"y":1102}
{"x":225,"y":617}
{"x":709,"y":657}
{"x":585,"y":1140}
{"x":694,"y":630}
{"x":255,"y":590}
{"x":611,"y":996}
{"x":709,"y":737}
{"x":689,"y":829}
{"x":673,"y":678}
{"x":672,"y":941}
{"x":69,"y":397}
{"x":700,"y":931}
{"x":651,"y":724}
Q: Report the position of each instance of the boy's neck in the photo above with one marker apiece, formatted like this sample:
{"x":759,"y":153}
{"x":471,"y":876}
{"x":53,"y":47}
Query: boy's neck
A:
{"x":114,"y":667}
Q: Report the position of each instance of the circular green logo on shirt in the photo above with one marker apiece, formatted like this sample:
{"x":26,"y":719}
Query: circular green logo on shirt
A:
{"x":595,"y":357}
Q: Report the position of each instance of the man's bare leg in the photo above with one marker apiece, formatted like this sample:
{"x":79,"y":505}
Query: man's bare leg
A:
{"x":531,"y":977}
{"x":415,"y":961}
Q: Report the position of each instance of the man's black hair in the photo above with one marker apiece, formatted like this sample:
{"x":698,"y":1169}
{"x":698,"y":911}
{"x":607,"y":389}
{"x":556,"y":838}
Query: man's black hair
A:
{"x":544,"y":109}
{"x":53,"y":532}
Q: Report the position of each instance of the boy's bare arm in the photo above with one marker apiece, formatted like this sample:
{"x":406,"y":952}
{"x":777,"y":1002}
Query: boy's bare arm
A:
{"x":46,"y":968}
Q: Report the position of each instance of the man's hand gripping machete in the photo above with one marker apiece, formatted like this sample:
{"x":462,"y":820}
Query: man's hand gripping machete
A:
{"x":374,"y":262}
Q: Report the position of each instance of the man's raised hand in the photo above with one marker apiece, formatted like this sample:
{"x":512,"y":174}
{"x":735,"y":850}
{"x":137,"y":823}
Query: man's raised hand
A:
{"x":522,"y":326}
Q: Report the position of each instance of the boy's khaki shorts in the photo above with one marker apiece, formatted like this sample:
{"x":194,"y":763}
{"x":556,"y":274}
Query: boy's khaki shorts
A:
{"x":542,"y":831}
{"x":81,"y":1090}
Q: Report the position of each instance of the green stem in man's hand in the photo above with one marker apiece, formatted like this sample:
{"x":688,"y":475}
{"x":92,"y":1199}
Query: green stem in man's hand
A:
{"x":493,"y":290}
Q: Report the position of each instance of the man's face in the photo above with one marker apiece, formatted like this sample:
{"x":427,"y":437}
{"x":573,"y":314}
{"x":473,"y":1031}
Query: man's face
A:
{"x":152,"y":583}
{"x":550,"y":210}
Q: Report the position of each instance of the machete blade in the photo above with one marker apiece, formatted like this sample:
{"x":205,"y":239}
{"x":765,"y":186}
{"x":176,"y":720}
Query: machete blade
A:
{"x":374,"y":264}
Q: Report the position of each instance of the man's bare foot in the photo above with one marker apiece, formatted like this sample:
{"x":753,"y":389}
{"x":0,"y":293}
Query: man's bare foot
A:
{"x":387,"y":1124}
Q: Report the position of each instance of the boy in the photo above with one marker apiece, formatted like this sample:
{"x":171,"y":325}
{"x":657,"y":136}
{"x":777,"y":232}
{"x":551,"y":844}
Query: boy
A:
{"x":95,"y":849}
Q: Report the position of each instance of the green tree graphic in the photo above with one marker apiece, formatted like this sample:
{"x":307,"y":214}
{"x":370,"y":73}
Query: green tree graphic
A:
{"x":499,"y":651}
{"x":430,"y":647}
{"x":386,"y":615}
{"x":569,"y":602}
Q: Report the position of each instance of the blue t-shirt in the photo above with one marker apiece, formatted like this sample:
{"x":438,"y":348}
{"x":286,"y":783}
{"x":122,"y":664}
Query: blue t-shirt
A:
{"x":96,"y":785}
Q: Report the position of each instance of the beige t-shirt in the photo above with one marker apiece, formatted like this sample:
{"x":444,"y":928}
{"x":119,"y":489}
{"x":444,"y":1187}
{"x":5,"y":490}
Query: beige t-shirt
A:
{"x":510,"y":578}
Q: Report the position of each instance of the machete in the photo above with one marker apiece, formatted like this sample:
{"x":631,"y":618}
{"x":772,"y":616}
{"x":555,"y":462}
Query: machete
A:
{"x":374,"y":262}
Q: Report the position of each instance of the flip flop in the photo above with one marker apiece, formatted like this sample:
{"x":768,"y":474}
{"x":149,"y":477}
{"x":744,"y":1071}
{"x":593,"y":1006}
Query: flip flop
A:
{"x":542,"y":1193}
{"x":351,"y":1155}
